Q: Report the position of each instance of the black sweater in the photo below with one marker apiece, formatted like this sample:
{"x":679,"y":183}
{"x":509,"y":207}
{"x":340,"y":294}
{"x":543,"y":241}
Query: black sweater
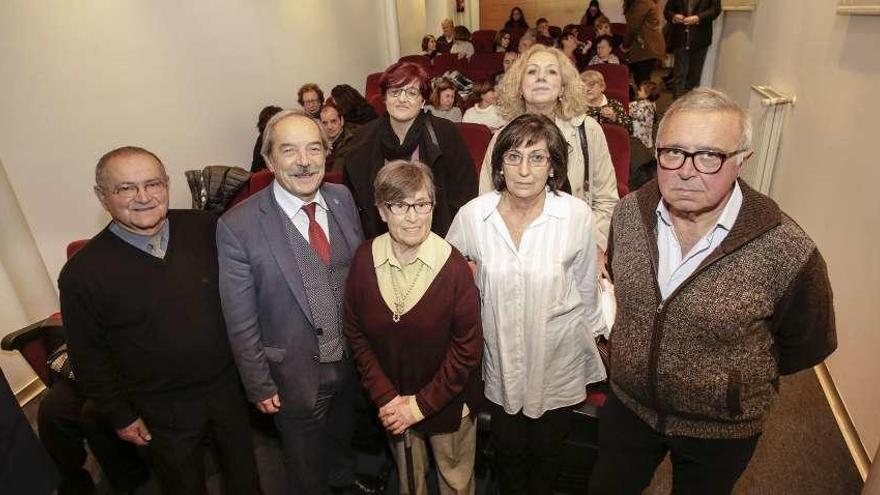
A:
{"x":144,"y":327}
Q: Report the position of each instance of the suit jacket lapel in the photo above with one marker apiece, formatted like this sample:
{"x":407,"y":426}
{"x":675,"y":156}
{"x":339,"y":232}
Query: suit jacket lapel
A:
{"x":276,"y":237}
{"x":336,"y":209}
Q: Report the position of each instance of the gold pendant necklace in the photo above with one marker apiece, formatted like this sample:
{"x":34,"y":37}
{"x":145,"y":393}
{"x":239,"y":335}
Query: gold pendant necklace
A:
{"x":400,"y":302}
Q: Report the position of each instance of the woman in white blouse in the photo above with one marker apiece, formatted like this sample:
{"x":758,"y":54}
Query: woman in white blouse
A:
{"x":535,"y":255}
{"x":483,"y":110}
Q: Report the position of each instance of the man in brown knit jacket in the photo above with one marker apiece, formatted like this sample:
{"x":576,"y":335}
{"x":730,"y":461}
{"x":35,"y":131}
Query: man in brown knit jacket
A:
{"x":718,"y":294}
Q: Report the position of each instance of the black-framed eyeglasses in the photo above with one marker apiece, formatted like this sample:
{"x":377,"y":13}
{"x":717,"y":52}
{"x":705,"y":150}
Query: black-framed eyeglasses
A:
{"x":705,"y":161}
{"x":128,"y":190}
{"x":401,"y":208}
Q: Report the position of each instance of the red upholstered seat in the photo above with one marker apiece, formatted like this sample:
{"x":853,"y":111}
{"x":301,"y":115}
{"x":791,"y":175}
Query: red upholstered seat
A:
{"x":483,"y":40}
{"x":445,"y":62}
{"x":616,"y":81}
{"x":618,"y":147}
{"x":483,"y":65}
{"x":377,"y":101}
{"x":618,"y":28}
{"x":372,"y":85}
{"x":476,"y":137}
{"x":422,"y":60}
{"x":586,"y":33}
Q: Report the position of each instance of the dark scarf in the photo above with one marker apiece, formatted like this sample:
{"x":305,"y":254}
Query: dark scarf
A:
{"x":394,"y":150}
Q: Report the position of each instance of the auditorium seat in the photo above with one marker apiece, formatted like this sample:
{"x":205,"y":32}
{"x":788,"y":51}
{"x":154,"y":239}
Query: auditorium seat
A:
{"x":616,"y":81}
{"x":422,"y":60}
{"x":515,"y":35}
{"x":483,"y":39}
{"x":377,"y":101}
{"x":476,"y":137}
{"x":372,"y":85}
{"x":618,"y":147}
{"x":445,"y":62}
{"x":586,"y":33}
{"x":618,"y":29}
{"x":483,"y":65}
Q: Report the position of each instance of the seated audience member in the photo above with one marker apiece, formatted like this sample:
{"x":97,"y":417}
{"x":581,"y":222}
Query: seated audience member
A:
{"x":405,"y":132}
{"x":66,"y":424}
{"x":543,"y":33}
{"x":157,"y":362}
{"x":642,"y":111}
{"x":605,"y":110}
{"x":338,"y":134}
{"x":258,"y":162}
{"x":429,"y":46}
{"x":604,"y":47}
{"x":444,"y":101}
{"x":592,"y":13}
{"x":311,"y":99}
{"x":642,"y":165}
{"x":527,"y":40}
{"x":738,"y":291}
{"x":412,"y":317}
{"x":502,"y":42}
{"x":517,"y":20}
{"x":535,"y":251}
{"x":462,"y":45}
{"x":484,"y":111}
{"x":574,"y":49}
{"x":356,"y":110}
{"x":447,"y":36}
{"x":506,"y":63}
{"x":603,"y":28}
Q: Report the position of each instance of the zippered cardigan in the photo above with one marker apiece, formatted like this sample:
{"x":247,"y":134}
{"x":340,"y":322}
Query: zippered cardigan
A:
{"x":705,"y":361}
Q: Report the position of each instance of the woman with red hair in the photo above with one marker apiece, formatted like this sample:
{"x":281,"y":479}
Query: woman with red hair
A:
{"x":407,"y":132}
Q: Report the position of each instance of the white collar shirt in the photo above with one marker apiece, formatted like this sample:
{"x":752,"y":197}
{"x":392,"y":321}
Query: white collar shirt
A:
{"x":540,"y":307}
{"x":674,"y":268}
{"x":292,"y":208}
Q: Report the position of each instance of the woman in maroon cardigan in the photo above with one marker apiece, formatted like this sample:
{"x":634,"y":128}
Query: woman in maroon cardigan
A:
{"x":412,"y":317}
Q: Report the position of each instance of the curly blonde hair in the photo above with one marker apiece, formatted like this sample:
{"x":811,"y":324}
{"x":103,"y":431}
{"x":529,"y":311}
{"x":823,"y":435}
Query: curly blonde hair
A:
{"x":572,"y":101}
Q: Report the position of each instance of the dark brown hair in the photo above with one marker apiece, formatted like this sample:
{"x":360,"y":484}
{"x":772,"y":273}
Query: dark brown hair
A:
{"x":526,"y":130}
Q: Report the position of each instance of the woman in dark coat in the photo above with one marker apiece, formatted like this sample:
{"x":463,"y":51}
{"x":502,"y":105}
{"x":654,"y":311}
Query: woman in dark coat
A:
{"x":406,"y":132}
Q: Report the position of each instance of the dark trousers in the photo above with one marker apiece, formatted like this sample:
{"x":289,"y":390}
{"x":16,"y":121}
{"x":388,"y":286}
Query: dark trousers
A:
{"x":688,"y":68}
{"x":528,"y":451}
{"x":630,"y":451}
{"x":183,"y":429}
{"x":317,"y":448}
{"x":66,"y":423}
{"x":641,"y":71}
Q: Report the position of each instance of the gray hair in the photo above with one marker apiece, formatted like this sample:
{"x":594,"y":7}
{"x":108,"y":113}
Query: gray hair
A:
{"x":266,"y":150}
{"x":400,"y":179}
{"x":101,"y":167}
{"x":704,"y":99}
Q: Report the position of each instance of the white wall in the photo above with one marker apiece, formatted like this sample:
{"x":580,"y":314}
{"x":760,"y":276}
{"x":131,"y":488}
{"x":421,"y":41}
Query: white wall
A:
{"x":183,"y":79}
{"x":827,"y":173}
{"x":412,"y":26}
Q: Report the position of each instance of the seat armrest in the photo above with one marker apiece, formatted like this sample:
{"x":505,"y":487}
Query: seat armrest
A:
{"x":17,"y":340}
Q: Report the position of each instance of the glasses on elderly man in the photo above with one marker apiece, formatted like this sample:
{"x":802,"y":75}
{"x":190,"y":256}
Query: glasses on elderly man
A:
{"x":409,"y":93}
{"x":705,"y":161}
{"x":128,"y":190}
{"x":534,"y":159}
{"x":401,"y":208}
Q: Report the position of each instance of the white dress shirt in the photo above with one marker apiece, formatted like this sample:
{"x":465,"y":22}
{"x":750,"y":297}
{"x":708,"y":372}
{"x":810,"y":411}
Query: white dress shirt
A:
{"x":674,"y":268}
{"x":292,"y":207}
{"x":540,"y":307}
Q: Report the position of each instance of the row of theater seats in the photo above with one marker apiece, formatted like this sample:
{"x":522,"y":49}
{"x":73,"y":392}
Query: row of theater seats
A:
{"x":484,"y":39}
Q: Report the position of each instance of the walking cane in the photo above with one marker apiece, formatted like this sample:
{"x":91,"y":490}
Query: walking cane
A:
{"x":408,"y":457}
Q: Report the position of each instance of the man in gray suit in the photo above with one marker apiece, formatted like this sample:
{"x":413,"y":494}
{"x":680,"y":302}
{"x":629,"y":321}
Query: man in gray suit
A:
{"x":284,"y":257}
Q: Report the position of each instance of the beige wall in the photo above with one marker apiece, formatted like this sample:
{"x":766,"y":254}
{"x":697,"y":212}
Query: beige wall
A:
{"x":827,"y":171}
{"x":184,"y":79}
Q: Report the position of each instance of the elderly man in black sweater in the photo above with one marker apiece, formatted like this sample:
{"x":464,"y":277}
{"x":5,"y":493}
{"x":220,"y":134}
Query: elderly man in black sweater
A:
{"x":146,"y":333}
